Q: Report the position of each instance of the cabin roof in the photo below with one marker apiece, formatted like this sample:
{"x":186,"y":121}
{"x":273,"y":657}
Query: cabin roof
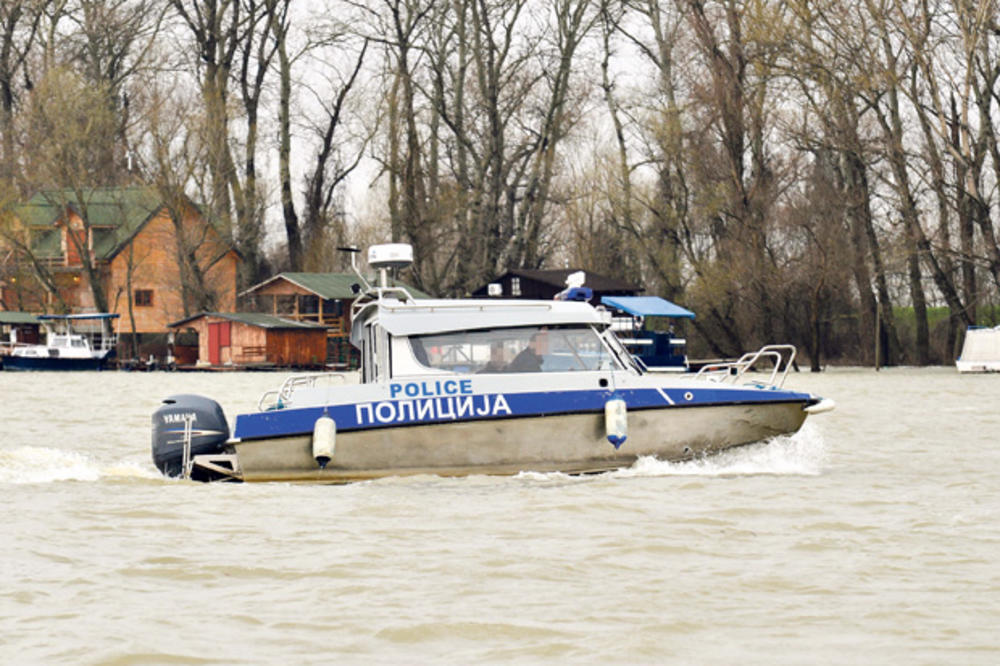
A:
{"x":115,"y":216}
{"x":440,"y":315}
{"x":328,"y":286}
{"x":256,"y":319}
{"x":648,"y":306}
{"x":16,"y":318}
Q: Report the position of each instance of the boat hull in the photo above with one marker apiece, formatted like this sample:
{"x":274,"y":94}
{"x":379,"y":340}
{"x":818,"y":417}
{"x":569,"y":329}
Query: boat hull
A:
{"x":977,"y":366}
{"x":570,"y":443}
{"x":52,"y":363}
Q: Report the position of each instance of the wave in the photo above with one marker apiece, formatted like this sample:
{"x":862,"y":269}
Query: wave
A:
{"x":803,"y":453}
{"x":39,"y":464}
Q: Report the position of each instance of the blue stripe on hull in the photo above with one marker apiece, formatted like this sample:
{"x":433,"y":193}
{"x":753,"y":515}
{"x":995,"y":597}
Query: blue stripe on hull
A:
{"x":410,"y":412}
{"x":42,"y":363}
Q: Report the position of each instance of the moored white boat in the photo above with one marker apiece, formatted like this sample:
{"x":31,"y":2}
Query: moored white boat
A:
{"x":455,"y":387}
{"x":657,"y":350}
{"x":980,"y":351}
{"x":66,"y":347}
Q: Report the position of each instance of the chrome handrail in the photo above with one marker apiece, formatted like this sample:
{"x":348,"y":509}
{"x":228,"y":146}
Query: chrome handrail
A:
{"x":733,"y":371}
{"x":283,"y":396}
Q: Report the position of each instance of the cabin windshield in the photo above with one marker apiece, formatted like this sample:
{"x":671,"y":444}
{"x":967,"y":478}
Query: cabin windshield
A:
{"x":522,"y":349}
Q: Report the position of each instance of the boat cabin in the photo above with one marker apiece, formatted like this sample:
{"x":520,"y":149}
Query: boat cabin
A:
{"x":18,"y":328}
{"x":80,"y":335}
{"x":404,"y":337}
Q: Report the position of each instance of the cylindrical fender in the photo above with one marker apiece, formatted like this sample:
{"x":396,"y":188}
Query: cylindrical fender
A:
{"x":616,"y":421}
{"x":324,"y":440}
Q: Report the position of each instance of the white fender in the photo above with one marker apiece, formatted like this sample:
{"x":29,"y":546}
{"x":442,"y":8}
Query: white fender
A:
{"x":324,"y":440}
{"x":616,"y":421}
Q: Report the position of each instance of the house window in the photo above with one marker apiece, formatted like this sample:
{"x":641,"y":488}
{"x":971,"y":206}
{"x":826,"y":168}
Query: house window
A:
{"x":143,"y":298}
{"x":515,"y":286}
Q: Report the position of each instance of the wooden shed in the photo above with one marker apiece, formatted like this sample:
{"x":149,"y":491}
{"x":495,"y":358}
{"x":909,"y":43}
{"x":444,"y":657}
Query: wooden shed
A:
{"x":322,"y":298}
{"x":249,"y":339}
{"x":18,"y":328}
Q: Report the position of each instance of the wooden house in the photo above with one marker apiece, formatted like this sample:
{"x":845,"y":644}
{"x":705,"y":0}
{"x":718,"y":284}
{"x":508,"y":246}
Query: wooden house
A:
{"x":244,"y":339}
{"x":320,"y":298}
{"x":18,"y":328}
{"x":544,"y":284}
{"x":135,"y":242}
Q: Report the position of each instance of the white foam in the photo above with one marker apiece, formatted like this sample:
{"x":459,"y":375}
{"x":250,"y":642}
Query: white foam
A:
{"x":803,"y":453}
{"x":37,"y":464}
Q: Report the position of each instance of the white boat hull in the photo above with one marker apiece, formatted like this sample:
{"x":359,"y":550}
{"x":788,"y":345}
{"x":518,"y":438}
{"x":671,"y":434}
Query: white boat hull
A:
{"x":980,"y":351}
{"x":570,"y":443}
{"x":977,"y":366}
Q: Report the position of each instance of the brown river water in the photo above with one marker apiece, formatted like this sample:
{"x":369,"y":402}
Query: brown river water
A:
{"x":871,"y":536}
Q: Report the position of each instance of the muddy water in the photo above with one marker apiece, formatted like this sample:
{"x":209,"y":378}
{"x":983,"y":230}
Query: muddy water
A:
{"x":869,"y":537}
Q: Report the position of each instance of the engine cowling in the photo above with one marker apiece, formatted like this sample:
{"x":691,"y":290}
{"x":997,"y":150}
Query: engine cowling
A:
{"x":209,"y":430}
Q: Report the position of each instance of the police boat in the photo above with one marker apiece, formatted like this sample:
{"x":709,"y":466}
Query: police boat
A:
{"x":479,"y":386}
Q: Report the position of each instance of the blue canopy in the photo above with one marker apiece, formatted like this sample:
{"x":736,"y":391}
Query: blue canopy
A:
{"x":647,"y":306}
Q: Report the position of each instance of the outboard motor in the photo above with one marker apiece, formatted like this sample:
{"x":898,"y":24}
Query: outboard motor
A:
{"x":209,"y":431}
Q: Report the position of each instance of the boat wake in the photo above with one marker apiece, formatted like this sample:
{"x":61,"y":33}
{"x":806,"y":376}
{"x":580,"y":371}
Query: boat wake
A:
{"x":38,"y":464}
{"x":803,"y":453}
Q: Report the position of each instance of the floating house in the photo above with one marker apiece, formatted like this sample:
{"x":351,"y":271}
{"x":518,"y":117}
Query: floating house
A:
{"x":254,"y":340}
{"x":17,"y":328}
{"x":545,"y":284}
{"x":317,"y":298}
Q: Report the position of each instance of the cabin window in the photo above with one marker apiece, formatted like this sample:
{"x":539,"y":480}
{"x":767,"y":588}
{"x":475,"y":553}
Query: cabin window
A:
{"x":521,"y":349}
{"x":515,"y":286}
{"x":143,"y":298}
{"x":376,"y":354}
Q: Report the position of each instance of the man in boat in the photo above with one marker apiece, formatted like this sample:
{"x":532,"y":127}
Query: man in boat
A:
{"x":498,"y":360}
{"x":530,"y":358}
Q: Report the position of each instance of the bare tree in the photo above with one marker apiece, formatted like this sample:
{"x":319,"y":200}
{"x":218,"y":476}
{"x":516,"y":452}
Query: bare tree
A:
{"x":223,"y":33}
{"x":327,"y":172}
{"x":19,"y":25}
{"x":177,"y":160}
{"x":110,"y":42}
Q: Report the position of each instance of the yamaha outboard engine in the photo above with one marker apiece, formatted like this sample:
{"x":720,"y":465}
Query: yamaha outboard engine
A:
{"x":208,"y":430}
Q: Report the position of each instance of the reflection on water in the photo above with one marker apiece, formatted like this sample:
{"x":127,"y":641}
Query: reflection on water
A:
{"x":869,"y":536}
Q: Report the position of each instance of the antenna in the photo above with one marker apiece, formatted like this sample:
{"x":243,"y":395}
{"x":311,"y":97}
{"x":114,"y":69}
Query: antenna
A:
{"x":353,"y":251}
{"x":389,"y":255}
